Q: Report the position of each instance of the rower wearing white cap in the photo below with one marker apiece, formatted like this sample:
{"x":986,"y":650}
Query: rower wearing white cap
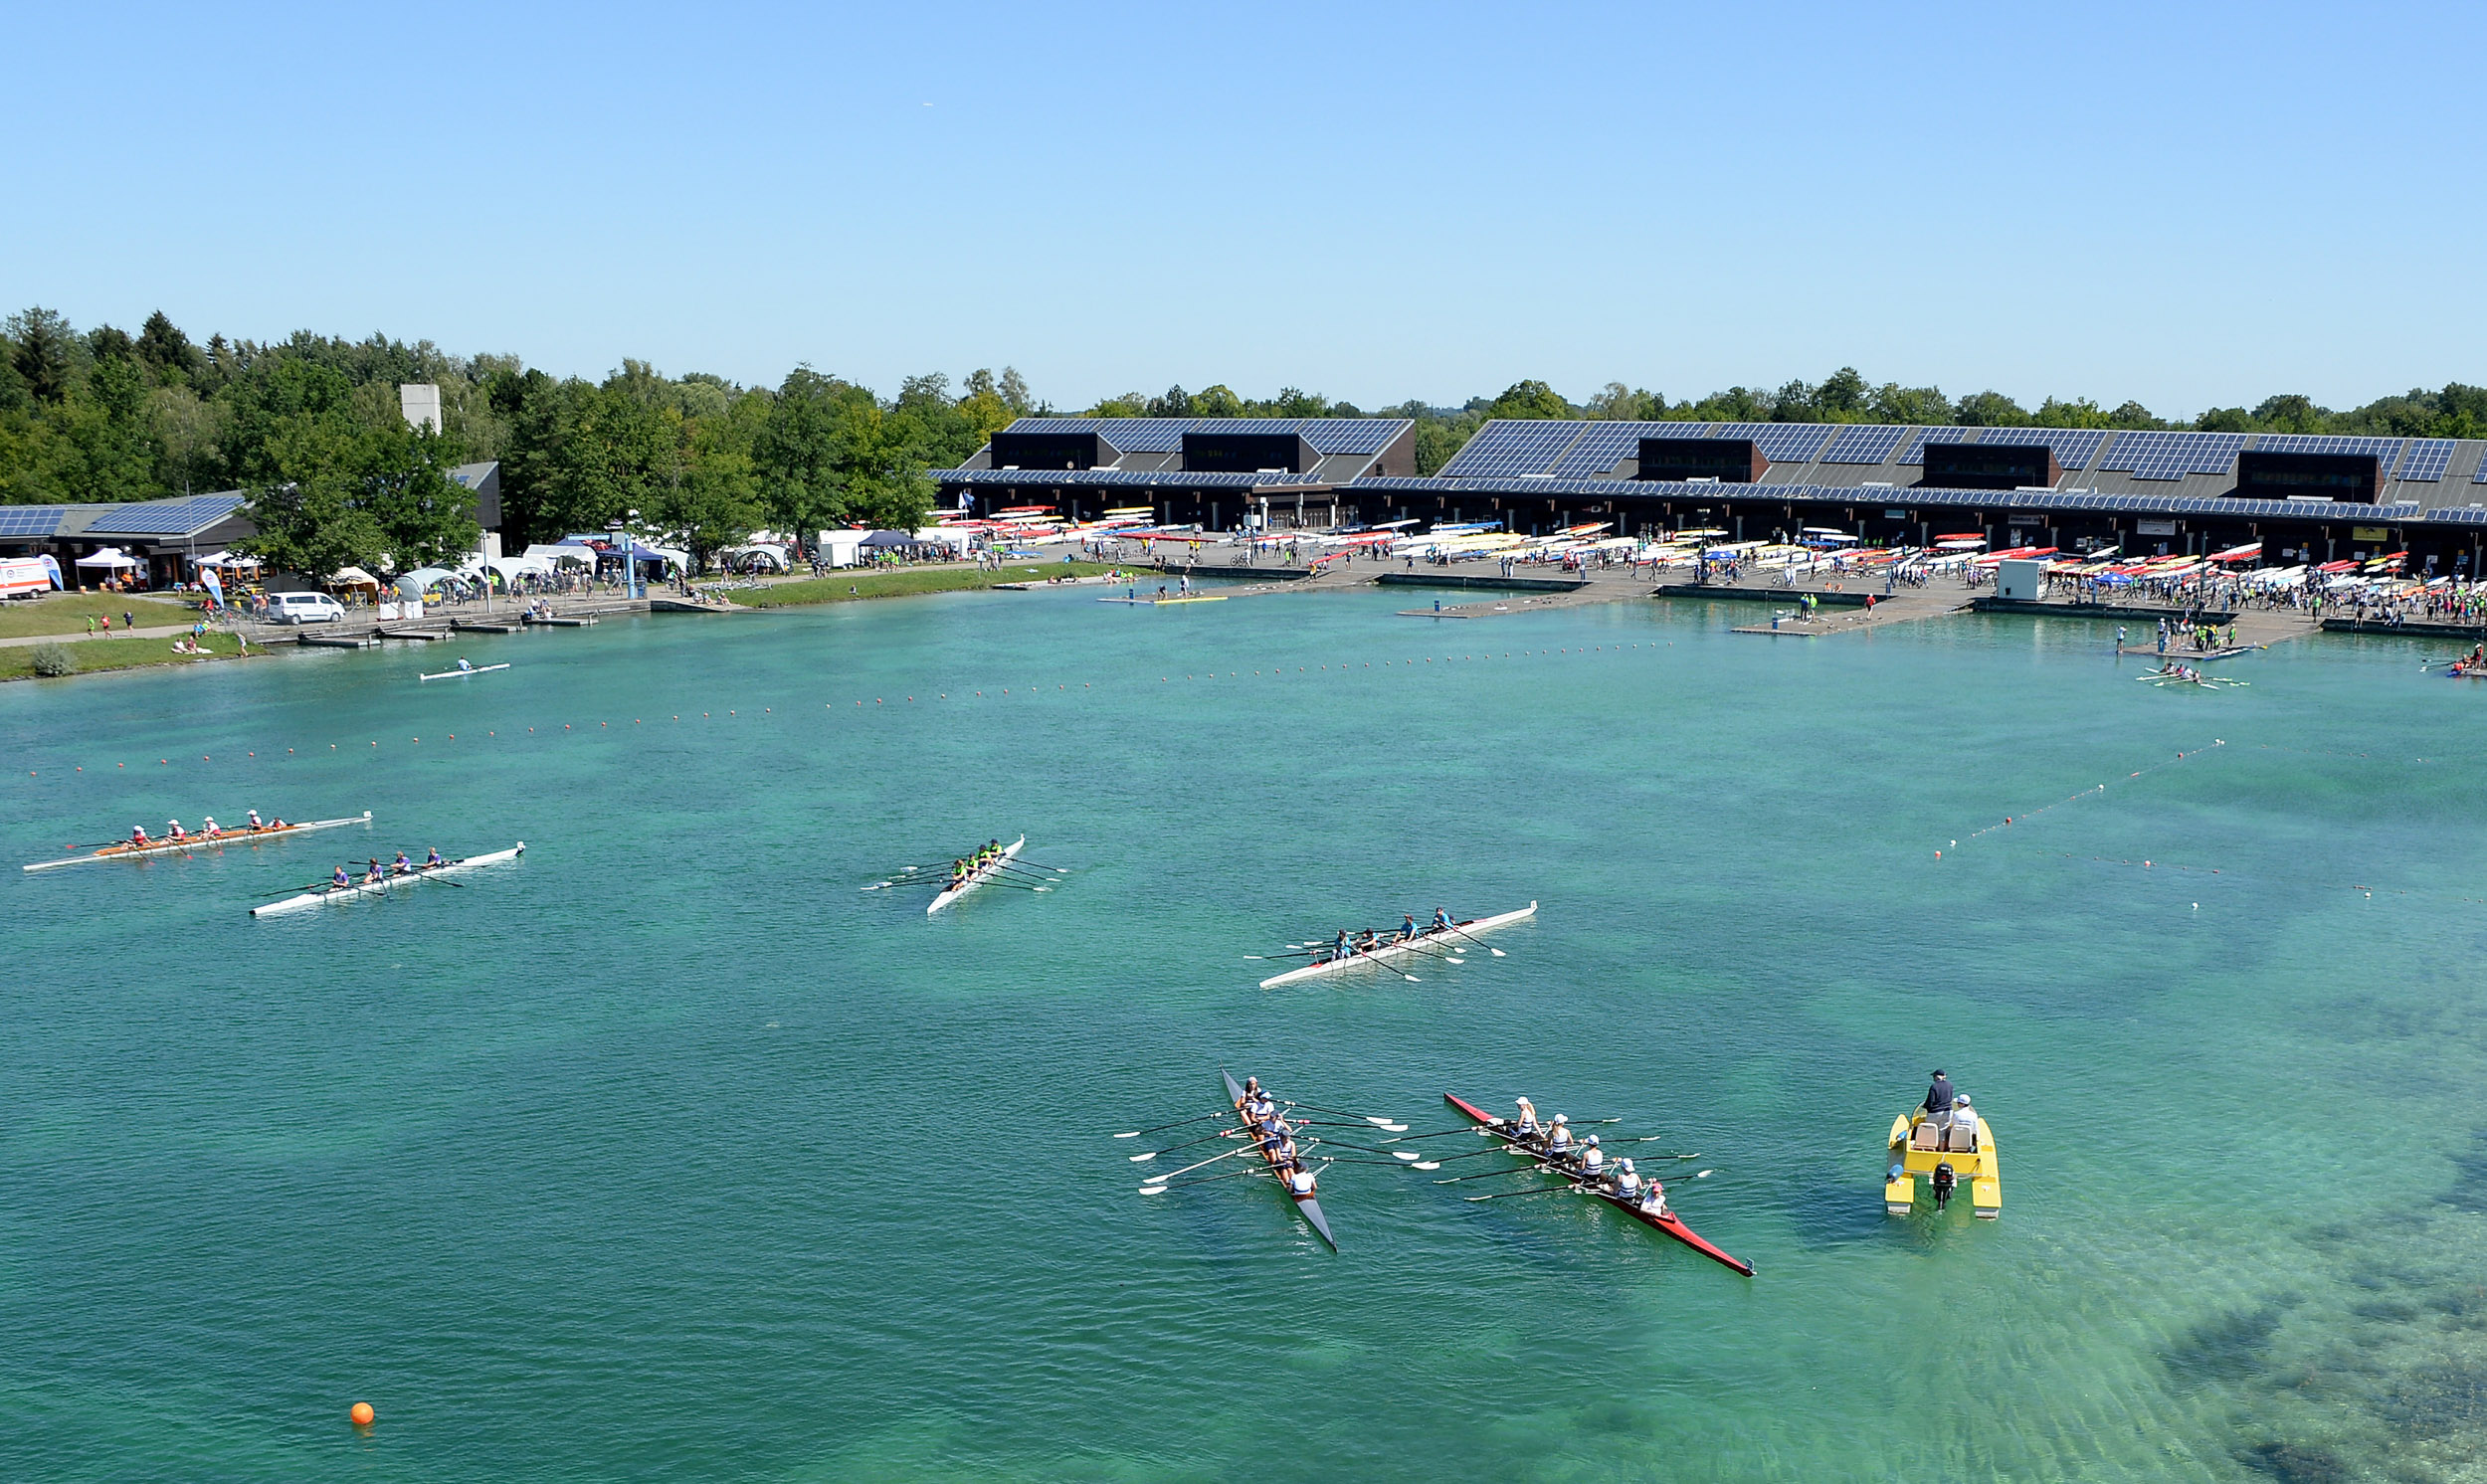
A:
{"x":139,"y":835}
{"x":1593,"y":1161}
{"x":1627,"y":1182}
{"x":1526,"y":1124}
{"x":173,"y":831}
{"x":209,"y":828}
{"x":1558,"y":1137}
{"x":1256,"y":1103}
{"x":255,"y":822}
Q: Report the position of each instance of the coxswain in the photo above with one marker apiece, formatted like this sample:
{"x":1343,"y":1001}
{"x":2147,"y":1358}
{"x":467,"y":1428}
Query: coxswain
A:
{"x":1593,"y":1161}
{"x":173,"y":831}
{"x":1442,"y":920}
{"x":1558,"y":1137}
{"x":401,"y":866}
{"x":1939,"y":1097}
{"x":255,"y":823}
{"x":340,"y":878}
{"x":1525,"y":1126}
{"x":139,"y":835}
{"x":434,"y":860}
{"x":1258,"y":1104}
{"x":1626,"y":1182}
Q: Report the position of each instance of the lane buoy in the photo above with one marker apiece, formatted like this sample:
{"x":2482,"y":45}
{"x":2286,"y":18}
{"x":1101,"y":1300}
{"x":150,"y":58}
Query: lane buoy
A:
{"x":362,"y":1414}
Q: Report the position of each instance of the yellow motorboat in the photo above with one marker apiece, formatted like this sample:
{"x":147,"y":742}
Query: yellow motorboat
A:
{"x":1923,"y":1146}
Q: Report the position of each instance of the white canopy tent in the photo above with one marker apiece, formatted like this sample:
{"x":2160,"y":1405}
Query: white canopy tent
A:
{"x":109,"y":556}
{"x":353,"y":577}
{"x":412,"y":583}
{"x":562,"y":552}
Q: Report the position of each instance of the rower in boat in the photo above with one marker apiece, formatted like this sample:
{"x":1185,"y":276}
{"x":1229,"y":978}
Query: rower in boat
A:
{"x":1442,"y":920}
{"x":1626,"y":1182}
{"x":401,"y":866}
{"x":1340,"y":949}
{"x":139,"y":837}
{"x":1258,"y":1105}
{"x":1366,"y":941}
{"x":1593,"y":1161}
{"x":1653,"y":1198}
{"x":173,"y":831}
{"x":1407,"y":927}
{"x":373,"y":872}
{"x":958,"y":874}
{"x":209,"y":830}
{"x":464,"y":663}
{"x":436,"y":860}
{"x":1300,"y":1180}
{"x":1558,"y":1137}
{"x":1525,"y":1127}
{"x":340,"y":881}
{"x":255,"y":826}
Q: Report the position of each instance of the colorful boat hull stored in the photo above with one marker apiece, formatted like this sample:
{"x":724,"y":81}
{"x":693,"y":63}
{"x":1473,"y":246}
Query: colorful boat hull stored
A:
{"x":1669,"y":1222}
{"x":977,"y":878}
{"x":1309,"y":1206}
{"x":325,"y":895}
{"x":244,"y":837}
{"x":1384,"y":953}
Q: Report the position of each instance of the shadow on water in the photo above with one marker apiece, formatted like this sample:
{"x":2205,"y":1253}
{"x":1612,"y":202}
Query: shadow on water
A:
{"x":2225,"y":1348}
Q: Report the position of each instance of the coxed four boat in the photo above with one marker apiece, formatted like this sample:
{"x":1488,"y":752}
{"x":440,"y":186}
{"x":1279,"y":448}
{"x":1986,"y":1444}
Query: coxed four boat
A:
{"x":245,"y":836}
{"x":370,"y":888}
{"x":1397,"y":947}
{"x":977,"y":878}
{"x":1669,"y":1223}
{"x":1309,"y":1205}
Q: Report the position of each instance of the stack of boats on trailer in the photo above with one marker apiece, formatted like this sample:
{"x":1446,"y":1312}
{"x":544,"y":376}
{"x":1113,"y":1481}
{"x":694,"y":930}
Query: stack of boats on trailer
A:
{"x":369,"y":877}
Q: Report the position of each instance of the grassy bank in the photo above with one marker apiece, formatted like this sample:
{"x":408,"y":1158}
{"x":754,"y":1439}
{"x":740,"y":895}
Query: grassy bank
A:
{"x":66,"y":612}
{"x":17,"y":661}
{"x":906,"y":582}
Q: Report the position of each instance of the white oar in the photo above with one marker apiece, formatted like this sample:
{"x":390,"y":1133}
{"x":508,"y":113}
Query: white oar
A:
{"x":1187,"y":1144}
{"x":1380,"y":1123}
{"x":1488,"y":947}
{"x":1188,"y":1169}
{"x":1178,"y":1123}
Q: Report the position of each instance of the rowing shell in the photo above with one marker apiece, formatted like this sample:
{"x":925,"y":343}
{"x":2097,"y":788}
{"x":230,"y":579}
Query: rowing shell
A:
{"x":977,"y":878}
{"x":364,"y":888}
{"x":1309,"y":1205}
{"x":480,"y":669}
{"x":1388,"y":951}
{"x":1670,"y":1223}
{"x":200,"y":842}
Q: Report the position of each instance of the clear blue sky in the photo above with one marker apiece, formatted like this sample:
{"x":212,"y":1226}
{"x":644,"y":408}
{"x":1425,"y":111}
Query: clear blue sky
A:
{"x":2190,"y":205}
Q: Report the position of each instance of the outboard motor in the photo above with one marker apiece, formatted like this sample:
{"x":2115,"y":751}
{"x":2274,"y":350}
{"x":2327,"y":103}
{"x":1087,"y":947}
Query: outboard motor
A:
{"x":1944,"y":1180}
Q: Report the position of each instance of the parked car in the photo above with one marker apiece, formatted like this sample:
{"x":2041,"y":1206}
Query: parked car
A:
{"x":303,"y":608}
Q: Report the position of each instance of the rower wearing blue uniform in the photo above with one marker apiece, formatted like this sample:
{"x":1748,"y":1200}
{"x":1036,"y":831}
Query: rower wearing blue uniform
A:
{"x":401,"y":866}
{"x":373,"y":874}
{"x":1442,"y":920}
{"x":1338,"y":950}
{"x":434,"y":860}
{"x":465,"y":663}
{"x":1407,"y":927}
{"x":340,"y":878}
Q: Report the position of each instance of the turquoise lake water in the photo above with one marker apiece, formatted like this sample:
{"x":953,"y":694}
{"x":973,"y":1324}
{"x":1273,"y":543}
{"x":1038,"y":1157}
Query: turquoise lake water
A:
{"x":667,"y":1153}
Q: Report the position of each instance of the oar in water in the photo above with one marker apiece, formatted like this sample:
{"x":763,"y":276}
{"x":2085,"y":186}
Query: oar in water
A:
{"x":1178,"y":1123}
{"x":1489,"y":1174}
{"x":1471,"y":936}
{"x":1206,"y":1180}
{"x":1341,"y":1113}
{"x":1211,"y":1160}
{"x":1186,"y":1144}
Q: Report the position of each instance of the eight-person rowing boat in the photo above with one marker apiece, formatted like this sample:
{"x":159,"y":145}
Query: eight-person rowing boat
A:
{"x":1347,"y":953}
{"x":1554,"y":1150}
{"x":210,"y":835}
{"x":1276,"y":1143}
{"x":377,"y":878}
{"x":974,"y":870}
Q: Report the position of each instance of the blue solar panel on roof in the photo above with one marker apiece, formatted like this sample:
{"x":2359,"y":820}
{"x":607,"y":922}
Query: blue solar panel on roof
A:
{"x":2426,"y":459}
{"x":165,"y":517}
{"x":1864,"y":444}
{"x":2382,"y":449}
{"x":30,"y":520}
{"x":2154,"y":455}
{"x":1506,"y":449}
{"x":1915,"y":452}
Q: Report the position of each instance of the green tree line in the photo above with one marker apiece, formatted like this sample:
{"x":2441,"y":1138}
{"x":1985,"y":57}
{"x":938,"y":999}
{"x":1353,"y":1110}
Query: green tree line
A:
{"x":311,"y":428}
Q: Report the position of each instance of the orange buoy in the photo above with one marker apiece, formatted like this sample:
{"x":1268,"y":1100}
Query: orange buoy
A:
{"x":362,"y":1414}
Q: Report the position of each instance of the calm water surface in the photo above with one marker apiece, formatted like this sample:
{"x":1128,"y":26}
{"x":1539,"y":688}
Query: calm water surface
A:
{"x":667,"y":1153}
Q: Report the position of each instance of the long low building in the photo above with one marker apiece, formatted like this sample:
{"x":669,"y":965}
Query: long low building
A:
{"x":2076,"y":489}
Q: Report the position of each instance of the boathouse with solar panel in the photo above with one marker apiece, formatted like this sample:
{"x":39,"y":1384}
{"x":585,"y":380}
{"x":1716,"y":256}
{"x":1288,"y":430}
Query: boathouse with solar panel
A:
{"x":1217,"y":472}
{"x":2142,"y":491}
{"x":162,"y":536}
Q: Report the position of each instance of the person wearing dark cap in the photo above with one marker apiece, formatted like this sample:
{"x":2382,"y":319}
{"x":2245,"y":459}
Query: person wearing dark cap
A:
{"x":1938,"y":1096}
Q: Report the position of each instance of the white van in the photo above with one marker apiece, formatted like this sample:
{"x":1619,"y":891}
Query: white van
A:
{"x":303,"y":608}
